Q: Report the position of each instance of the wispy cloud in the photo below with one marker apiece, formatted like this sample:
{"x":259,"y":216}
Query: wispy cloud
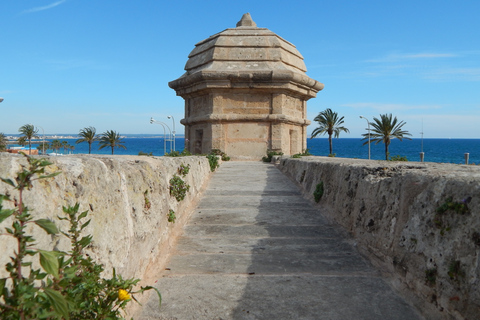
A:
{"x":389,"y":107}
{"x":412,"y":56}
{"x":50,"y":6}
{"x":454,"y":74}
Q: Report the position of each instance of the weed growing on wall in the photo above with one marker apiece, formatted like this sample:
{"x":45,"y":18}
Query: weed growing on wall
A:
{"x":171,"y":216}
{"x":398,"y":158}
{"x":431,"y":276}
{"x":220,"y":153}
{"x":178,"y":188}
{"x":148,"y":204}
{"x":270,"y":154}
{"x":441,"y":214}
{"x":455,"y":271}
{"x":318,"y":193}
{"x":183,"y":170}
{"x":68,"y":285}
{"x":213,"y":161}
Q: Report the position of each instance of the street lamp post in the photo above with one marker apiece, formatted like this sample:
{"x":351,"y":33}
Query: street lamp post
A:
{"x":164,"y":141}
{"x":173,"y":132}
{"x":43,"y":143}
{"x":368,"y":122}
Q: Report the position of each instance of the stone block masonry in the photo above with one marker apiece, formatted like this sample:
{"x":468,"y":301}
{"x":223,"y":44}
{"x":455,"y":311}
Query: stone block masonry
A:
{"x":418,"y":222}
{"x":128,"y":201}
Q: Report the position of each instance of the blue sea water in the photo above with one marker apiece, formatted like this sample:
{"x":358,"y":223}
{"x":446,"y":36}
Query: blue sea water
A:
{"x":436,"y":150}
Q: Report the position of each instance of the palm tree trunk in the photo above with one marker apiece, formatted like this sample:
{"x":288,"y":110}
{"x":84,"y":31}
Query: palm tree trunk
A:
{"x":89,"y":147}
{"x":386,"y":150}
{"x":330,"y":143}
{"x":112,"y":150}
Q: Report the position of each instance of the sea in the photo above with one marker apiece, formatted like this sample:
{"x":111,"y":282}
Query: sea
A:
{"x":435,"y":150}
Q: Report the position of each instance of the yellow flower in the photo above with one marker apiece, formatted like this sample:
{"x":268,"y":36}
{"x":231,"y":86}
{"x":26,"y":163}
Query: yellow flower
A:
{"x":123,"y":295}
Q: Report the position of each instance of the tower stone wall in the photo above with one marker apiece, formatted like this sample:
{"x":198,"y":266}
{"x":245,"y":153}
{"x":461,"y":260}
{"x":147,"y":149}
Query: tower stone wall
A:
{"x":245,"y":92}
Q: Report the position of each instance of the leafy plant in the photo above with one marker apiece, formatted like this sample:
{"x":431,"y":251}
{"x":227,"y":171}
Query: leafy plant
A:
{"x":455,"y":271}
{"x":148,"y":204}
{"x":68,"y":285}
{"x":141,"y":153}
{"x":183,"y":169}
{"x":398,"y":158}
{"x":270,"y":154}
{"x":171,"y":216}
{"x":332,"y":155}
{"x":220,"y":153}
{"x":178,"y":188}
{"x":318,"y":193}
{"x":213,"y":161}
{"x":175,"y":153}
{"x":431,"y":276}
{"x":460,"y":207}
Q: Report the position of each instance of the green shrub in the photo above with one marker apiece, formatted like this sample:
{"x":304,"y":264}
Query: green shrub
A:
{"x":183,"y":170}
{"x":270,"y":154}
{"x":69,"y":284}
{"x":171,"y":216}
{"x":219,"y":152}
{"x":178,"y":188}
{"x":141,"y":153}
{"x":431,"y":276}
{"x":332,"y":155}
{"x":318,"y":193}
{"x":213,"y":161}
{"x":398,"y":158}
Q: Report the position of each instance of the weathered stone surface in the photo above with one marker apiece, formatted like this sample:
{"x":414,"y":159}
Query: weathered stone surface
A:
{"x":256,"y":249}
{"x":241,"y":78}
{"x":391,"y":209}
{"x":128,"y":235}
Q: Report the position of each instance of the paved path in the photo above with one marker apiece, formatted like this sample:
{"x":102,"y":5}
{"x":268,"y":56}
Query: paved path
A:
{"x":255,"y":249}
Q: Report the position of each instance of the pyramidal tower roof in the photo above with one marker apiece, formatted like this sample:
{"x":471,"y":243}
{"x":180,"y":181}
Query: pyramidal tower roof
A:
{"x":246,"y":49}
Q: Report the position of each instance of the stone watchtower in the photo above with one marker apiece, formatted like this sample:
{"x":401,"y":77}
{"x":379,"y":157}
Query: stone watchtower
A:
{"x":245,"y":92}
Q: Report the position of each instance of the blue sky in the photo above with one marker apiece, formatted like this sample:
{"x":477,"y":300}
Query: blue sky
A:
{"x":69,"y":64}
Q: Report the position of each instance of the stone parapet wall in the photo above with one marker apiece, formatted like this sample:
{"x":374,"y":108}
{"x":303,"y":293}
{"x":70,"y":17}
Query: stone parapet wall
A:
{"x":393,"y":210}
{"x":128,"y":201}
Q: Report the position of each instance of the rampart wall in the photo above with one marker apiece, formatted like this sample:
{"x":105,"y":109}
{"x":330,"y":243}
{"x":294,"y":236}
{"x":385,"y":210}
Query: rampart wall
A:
{"x":128,"y":201}
{"x":418,"y":222}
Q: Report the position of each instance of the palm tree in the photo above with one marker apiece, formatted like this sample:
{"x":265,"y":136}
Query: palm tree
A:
{"x":44,"y":145}
{"x":328,"y":122}
{"x":87,"y":135}
{"x":3,"y":142}
{"x":29,"y":132}
{"x":385,"y":129}
{"x":111,"y":139}
{"x":56,"y":145}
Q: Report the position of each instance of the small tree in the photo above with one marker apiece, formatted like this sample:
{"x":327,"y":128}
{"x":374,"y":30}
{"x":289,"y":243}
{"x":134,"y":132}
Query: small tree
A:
{"x":329,"y":123}
{"x":111,"y":139}
{"x":385,"y":129}
{"x":87,"y":135}
{"x":3,"y":142}
{"x":29,"y":132}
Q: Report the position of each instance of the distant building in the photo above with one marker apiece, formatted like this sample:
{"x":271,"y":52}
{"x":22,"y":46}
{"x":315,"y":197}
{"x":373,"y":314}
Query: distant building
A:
{"x":245,"y":92}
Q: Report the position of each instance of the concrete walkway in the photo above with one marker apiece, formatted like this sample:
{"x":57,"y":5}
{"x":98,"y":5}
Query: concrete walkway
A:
{"x":255,"y":249}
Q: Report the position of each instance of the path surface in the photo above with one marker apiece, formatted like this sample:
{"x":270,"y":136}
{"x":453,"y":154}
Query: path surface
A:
{"x":255,"y":249}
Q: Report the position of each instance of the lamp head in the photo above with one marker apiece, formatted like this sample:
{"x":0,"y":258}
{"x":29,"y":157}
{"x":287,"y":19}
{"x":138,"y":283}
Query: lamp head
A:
{"x":1,"y":99}
{"x":361,"y":117}
{"x":152,"y":120}
{"x":169,"y":117}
